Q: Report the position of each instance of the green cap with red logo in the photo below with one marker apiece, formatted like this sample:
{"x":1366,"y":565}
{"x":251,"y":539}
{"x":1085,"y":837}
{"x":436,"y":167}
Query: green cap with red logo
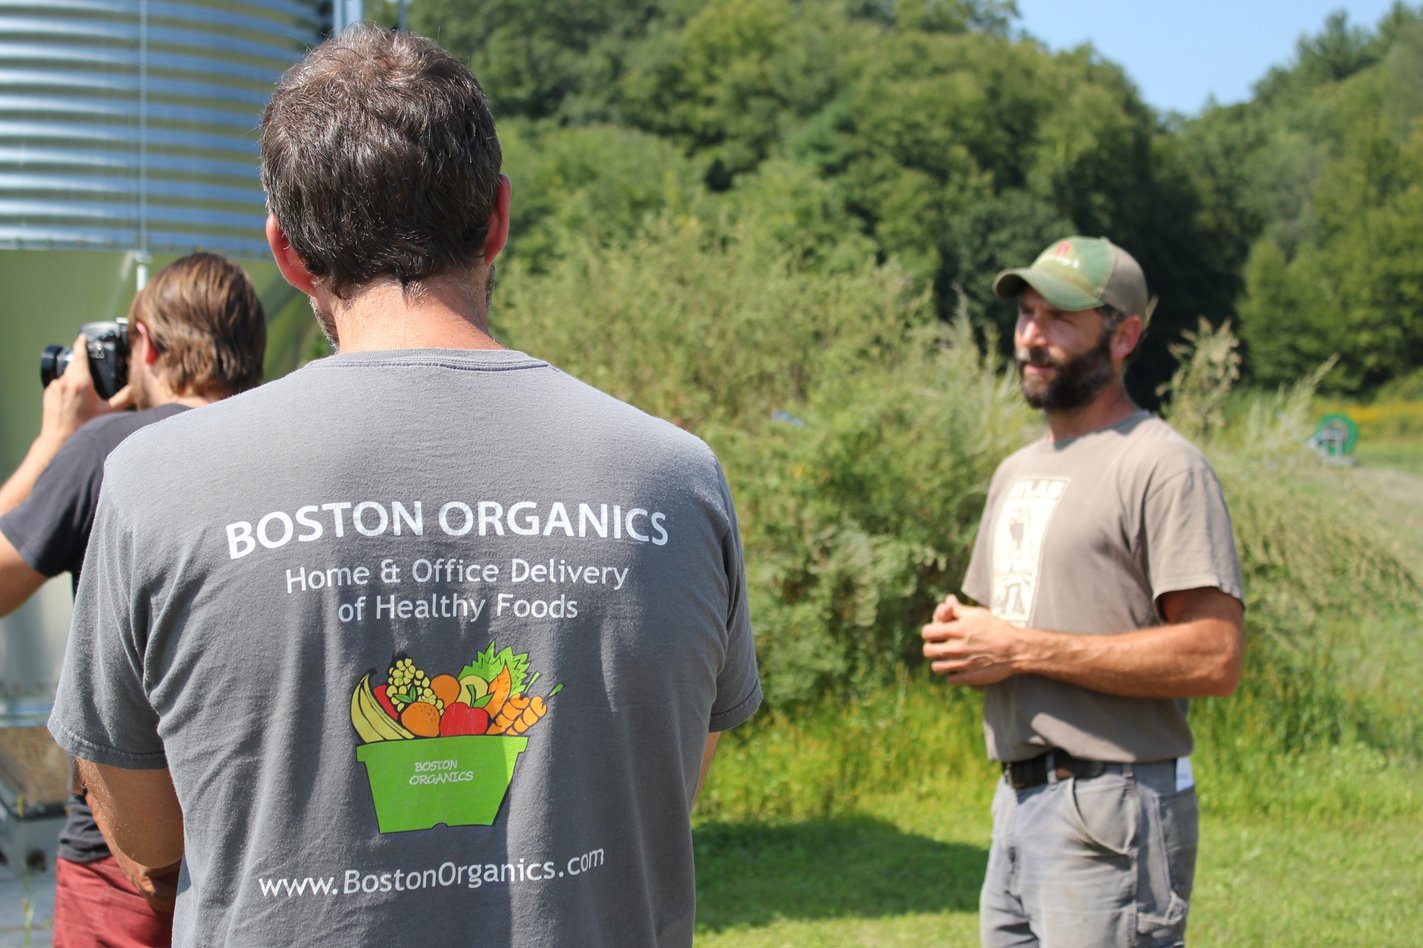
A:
{"x":1081,"y":273}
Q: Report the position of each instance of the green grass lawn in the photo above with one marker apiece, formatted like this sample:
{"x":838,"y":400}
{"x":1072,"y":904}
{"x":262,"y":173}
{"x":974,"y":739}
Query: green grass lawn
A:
{"x":868,"y":824}
{"x":1392,"y":475}
{"x":1335,"y":862}
{"x":1405,"y":456}
{"x":1301,"y":882}
{"x":905,"y":870}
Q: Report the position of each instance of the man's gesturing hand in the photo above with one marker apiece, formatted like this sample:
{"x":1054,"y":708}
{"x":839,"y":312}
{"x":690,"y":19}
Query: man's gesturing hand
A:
{"x":968,"y":645}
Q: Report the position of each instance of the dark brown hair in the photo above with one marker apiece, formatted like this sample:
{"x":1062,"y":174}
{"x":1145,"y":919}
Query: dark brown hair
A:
{"x":206,"y":323}
{"x":379,"y":157}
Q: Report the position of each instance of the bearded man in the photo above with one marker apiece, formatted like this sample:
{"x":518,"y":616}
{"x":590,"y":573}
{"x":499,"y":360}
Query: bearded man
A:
{"x":1113,"y":595}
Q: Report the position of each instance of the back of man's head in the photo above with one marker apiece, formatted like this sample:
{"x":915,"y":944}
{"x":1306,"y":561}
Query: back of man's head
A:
{"x":206,"y":322}
{"x":379,"y":158}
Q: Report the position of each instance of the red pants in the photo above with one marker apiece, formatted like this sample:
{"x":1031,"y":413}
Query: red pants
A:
{"x":96,"y":905}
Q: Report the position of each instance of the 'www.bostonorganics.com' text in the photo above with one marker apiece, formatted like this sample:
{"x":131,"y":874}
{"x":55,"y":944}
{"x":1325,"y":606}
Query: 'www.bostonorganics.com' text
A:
{"x":447,"y":875}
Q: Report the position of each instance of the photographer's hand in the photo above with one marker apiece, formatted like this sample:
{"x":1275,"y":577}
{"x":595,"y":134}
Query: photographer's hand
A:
{"x":69,"y":402}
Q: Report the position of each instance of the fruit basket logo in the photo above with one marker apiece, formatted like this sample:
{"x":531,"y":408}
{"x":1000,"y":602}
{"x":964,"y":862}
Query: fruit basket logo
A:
{"x":443,"y":749}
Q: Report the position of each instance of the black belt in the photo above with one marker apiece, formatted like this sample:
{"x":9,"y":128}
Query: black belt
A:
{"x":1055,"y":764}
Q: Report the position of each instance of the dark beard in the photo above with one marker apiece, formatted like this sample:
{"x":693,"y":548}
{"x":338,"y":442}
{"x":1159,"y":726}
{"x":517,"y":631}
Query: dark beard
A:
{"x":1075,"y":382}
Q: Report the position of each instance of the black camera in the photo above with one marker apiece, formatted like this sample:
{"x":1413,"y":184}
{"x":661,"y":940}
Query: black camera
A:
{"x":107,"y":342}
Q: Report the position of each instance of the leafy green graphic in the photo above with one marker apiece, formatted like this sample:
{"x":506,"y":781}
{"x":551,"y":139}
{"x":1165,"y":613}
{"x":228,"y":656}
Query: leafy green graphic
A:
{"x":488,"y":663}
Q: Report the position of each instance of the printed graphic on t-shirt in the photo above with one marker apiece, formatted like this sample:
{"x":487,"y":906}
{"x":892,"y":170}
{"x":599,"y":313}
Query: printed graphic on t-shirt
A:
{"x":439,"y":734}
{"x":443,"y":749}
{"x":1018,"y":544}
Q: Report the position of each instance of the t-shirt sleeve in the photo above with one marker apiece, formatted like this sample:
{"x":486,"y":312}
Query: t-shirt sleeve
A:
{"x":51,"y":528}
{"x":977,"y":580}
{"x":101,"y":709}
{"x":976,"y":583}
{"x":1190,"y":542}
{"x":738,"y":685}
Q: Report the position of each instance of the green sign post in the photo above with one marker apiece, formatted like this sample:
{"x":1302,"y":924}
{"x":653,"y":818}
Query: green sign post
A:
{"x":1335,"y":437}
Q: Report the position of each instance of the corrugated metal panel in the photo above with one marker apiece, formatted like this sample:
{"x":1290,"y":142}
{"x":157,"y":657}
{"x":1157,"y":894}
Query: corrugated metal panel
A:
{"x":128,"y":133}
{"x":132,"y":125}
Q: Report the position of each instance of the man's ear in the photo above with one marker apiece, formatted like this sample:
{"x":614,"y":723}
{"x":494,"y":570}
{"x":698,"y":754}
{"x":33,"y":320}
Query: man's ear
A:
{"x":150,"y":351}
{"x":1126,"y":337}
{"x":292,"y":268}
{"x":498,"y":233}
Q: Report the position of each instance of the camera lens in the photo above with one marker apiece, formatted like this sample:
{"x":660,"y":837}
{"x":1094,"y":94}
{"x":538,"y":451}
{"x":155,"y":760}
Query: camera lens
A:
{"x":53,"y":361}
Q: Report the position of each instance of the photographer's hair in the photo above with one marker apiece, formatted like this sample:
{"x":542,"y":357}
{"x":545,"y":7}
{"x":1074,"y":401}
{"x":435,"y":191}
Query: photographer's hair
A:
{"x":206,"y":323}
{"x":379,"y":158}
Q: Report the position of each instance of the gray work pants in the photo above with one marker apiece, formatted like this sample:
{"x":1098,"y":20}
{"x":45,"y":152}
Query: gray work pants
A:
{"x":1101,"y":861}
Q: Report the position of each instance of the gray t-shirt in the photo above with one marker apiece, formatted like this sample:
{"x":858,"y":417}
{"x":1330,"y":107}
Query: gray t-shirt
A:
{"x":1085,"y":535}
{"x":50,"y":531}
{"x":431,"y":642}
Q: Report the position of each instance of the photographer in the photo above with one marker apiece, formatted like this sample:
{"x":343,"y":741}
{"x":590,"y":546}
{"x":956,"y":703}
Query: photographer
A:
{"x":196,"y":334}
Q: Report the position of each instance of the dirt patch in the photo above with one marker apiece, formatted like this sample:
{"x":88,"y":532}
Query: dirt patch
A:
{"x":34,"y":771}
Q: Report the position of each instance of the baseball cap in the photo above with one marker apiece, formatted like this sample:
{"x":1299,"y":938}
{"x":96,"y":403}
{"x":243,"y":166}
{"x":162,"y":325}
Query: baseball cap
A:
{"x":1081,"y":273}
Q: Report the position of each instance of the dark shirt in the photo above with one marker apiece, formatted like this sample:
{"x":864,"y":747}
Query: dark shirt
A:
{"x":50,"y":530}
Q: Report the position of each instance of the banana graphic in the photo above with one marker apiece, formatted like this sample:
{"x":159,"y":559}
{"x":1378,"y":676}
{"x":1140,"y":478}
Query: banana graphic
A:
{"x":369,"y":718}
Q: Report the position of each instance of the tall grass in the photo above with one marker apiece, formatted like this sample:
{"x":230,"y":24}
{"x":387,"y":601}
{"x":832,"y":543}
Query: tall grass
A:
{"x":859,"y":435}
{"x":1330,"y":587}
{"x":839,"y":755}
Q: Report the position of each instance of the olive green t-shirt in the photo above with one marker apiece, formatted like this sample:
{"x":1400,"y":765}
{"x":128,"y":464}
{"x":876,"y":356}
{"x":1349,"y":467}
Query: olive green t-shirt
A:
{"x":1085,"y":535}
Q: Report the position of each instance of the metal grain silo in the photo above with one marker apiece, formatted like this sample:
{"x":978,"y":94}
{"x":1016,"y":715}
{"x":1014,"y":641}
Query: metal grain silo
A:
{"x":128,"y":137}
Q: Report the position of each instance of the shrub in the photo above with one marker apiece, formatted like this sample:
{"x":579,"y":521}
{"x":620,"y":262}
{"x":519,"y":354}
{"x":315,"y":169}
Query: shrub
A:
{"x":1321,"y":573}
{"x":858,"y":433}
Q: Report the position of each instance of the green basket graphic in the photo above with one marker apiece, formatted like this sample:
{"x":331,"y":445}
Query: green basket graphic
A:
{"x":458,"y":781}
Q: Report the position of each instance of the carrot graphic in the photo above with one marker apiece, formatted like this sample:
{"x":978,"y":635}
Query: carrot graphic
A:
{"x":499,"y":688}
{"x":520,"y":713}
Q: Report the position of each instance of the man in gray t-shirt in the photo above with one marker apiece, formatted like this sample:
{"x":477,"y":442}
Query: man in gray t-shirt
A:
{"x":427,"y":642}
{"x":1111,"y":595}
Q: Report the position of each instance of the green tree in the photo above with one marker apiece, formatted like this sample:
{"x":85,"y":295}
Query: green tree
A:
{"x":964,"y":153}
{"x":939,"y":16}
{"x":595,"y":182}
{"x":728,"y":84}
{"x":542,"y":58}
{"x":1339,"y":172}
